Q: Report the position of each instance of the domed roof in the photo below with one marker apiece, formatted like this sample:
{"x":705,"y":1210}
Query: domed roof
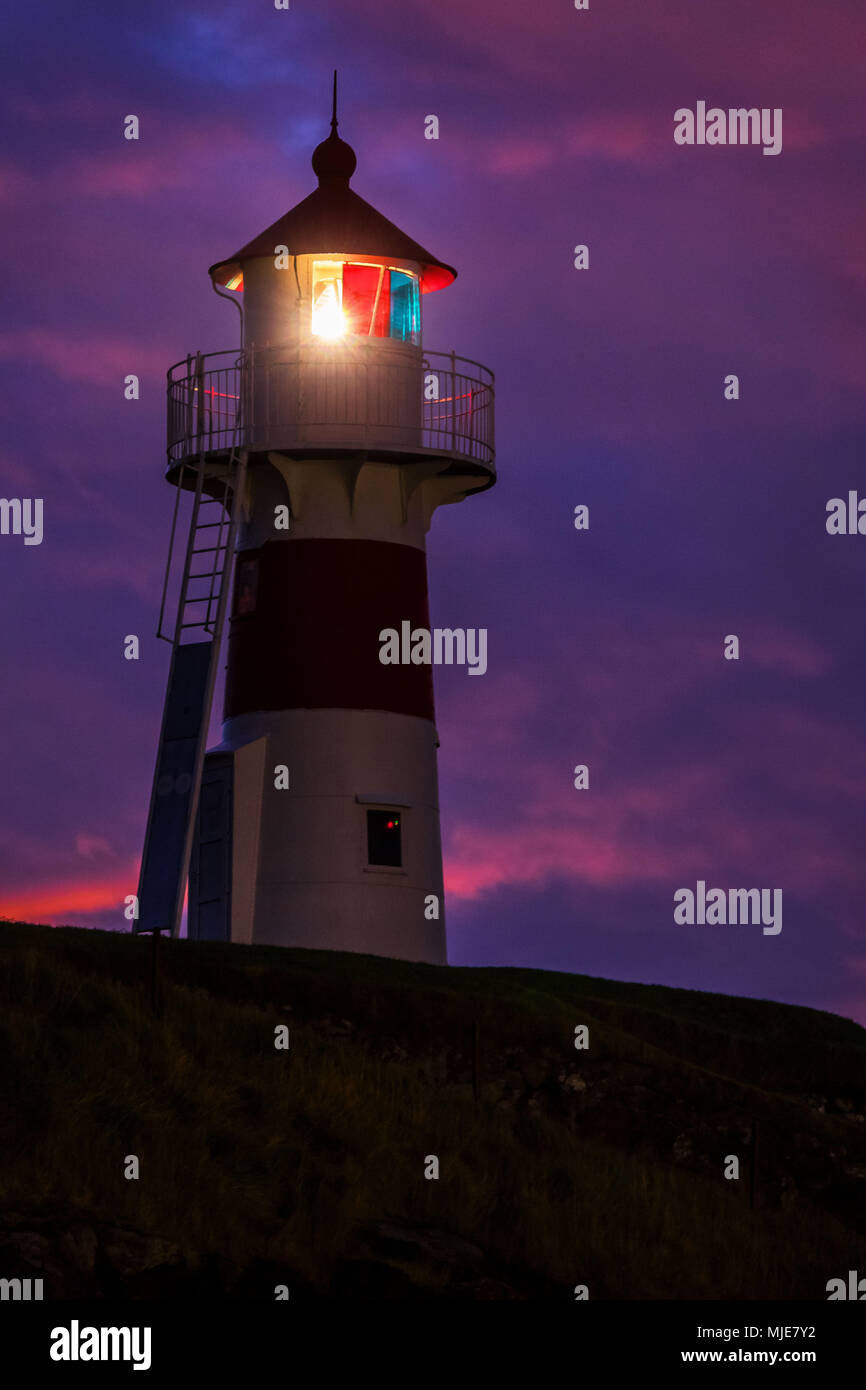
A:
{"x":335,"y":219}
{"x":334,"y":159}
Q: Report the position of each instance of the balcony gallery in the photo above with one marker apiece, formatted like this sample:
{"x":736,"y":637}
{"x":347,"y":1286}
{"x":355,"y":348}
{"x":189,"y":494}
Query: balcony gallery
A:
{"x":366,"y":395}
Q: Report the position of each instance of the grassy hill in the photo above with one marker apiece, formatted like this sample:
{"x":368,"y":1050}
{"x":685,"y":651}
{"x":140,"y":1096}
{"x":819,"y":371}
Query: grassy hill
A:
{"x":306,"y":1167}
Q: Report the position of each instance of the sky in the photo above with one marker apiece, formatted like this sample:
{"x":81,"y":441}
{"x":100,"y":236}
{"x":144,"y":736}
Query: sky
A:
{"x":605,"y":646}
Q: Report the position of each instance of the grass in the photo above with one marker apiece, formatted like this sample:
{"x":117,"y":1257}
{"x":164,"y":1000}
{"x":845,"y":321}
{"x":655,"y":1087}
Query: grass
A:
{"x":248,"y":1153}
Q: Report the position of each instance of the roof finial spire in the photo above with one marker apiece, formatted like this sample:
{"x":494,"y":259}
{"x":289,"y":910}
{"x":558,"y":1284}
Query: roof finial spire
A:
{"x":334,"y":160}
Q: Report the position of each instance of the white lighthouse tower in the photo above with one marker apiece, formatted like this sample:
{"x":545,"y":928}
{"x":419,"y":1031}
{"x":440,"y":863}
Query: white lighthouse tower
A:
{"x":324,"y":445}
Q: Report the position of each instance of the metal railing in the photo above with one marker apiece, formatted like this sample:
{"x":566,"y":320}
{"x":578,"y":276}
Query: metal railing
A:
{"x":319,"y":398}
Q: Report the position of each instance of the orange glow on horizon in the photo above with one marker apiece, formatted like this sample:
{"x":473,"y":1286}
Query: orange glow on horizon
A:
{"x":54,"y":901}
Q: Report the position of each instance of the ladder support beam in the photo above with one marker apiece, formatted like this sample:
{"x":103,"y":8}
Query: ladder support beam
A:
{"x":186,"y":712}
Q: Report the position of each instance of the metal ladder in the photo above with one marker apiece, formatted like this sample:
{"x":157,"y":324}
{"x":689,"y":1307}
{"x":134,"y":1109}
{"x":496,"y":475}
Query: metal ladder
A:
{"x":195,"y":638}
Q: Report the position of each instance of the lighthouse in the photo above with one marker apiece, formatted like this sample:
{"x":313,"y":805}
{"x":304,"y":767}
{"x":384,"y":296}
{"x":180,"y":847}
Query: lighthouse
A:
{"x":313,"y":457}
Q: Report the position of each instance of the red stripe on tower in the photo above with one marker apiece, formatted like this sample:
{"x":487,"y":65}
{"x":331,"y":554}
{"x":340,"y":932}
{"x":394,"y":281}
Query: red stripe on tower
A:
{"x":305,"y":635}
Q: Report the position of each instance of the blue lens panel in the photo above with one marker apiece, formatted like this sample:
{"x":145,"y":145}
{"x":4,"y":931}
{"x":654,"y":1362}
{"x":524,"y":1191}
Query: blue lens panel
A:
{"x":404,"y":306}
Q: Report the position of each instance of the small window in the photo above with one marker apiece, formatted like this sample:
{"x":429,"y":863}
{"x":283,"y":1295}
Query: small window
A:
{"x":383,"y":839}
{"x":367,"y":301}
{"x":328,"y":318}
{"x":405,"y":310}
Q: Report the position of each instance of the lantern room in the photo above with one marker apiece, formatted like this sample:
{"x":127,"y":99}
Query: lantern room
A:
{"x":333,"y":269}
{"x":331,"y":299}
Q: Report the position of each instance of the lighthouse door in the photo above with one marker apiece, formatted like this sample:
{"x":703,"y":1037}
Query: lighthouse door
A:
{"x":210,"y":872}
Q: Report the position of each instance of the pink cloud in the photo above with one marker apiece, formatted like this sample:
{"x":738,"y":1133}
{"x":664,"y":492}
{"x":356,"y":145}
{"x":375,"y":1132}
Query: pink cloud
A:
{"x":160,"y":161}
{"x":17,"y":476}
{"x":92,"y":359}
{"x":612,"y":136}
{"x":788,"y":653}
{"x":531,"y":857}
{"x":517,"y":155}
{"x":93,"y":847}
{"x":673,"y":837}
